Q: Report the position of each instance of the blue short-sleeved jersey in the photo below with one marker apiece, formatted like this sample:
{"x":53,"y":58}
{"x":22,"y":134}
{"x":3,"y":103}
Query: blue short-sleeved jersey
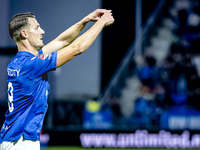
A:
{"x":28,"y":90}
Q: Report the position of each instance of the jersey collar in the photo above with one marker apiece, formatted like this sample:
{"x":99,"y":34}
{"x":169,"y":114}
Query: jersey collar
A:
{"x":25,"y":53}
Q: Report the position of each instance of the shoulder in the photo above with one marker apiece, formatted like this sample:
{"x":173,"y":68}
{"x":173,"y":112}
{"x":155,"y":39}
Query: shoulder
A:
{"x":17,"y":61}
{"x":22,"y":59}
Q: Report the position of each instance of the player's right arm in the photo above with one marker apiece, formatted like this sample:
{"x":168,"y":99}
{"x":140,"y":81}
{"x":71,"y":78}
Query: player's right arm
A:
{"x":69,"y":35}
{"x":83,"y":42}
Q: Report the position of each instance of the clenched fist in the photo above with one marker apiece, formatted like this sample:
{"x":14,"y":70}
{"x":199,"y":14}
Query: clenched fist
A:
{"x":102,"y":14}
{"x":108,"y":18}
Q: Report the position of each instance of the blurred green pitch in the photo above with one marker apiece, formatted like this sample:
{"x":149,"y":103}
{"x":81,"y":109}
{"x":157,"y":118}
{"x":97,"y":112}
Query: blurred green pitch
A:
{"x":80,"y":148}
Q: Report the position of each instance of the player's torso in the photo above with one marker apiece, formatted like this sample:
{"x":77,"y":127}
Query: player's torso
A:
{"x":23,"y":88}
{"x":27,"y":96}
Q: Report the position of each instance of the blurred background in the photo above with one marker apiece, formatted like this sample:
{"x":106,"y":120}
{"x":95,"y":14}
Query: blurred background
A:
{"x":140,"y":78}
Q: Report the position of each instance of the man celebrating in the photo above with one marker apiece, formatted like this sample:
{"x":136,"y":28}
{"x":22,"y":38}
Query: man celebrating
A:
{"x":28,"y":86}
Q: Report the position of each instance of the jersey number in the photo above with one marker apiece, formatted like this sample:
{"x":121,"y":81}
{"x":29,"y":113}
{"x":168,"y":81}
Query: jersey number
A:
{"x":10,"y":97}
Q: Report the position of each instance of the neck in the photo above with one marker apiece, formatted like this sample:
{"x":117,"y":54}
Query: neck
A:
{"x":25,"y":46}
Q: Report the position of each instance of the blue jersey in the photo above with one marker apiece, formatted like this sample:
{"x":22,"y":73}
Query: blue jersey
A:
{"x":28,"y":90}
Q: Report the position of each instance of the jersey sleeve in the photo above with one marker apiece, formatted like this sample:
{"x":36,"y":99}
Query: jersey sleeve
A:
{"x":41,"y":64}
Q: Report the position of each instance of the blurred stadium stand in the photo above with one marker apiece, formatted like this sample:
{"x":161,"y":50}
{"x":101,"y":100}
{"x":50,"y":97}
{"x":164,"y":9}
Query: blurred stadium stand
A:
{"x":158,"y":89}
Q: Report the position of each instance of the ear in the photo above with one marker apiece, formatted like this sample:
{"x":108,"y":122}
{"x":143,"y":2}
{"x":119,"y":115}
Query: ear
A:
{"x":23,"y":34}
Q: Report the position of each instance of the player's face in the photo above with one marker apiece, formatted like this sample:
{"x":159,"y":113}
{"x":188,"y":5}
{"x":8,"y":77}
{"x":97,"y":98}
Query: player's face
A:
{"x":35,"y":34}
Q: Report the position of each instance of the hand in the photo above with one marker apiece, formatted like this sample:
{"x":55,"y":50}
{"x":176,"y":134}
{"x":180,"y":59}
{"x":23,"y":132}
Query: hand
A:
{"x":95,"y":15}
{"x":108,"y":18}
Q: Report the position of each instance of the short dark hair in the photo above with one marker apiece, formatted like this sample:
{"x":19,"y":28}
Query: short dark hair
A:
{"x":17,"y":23}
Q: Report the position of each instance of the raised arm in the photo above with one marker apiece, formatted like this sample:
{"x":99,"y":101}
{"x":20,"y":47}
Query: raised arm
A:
{"x":68,"y":36}
{"x":83,"y":42}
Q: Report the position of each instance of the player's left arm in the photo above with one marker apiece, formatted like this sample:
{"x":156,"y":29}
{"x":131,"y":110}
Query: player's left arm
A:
{"x":69,"y":35}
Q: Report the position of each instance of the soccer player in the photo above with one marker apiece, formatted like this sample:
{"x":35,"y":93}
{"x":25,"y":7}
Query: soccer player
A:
{"x":28,"y":86}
